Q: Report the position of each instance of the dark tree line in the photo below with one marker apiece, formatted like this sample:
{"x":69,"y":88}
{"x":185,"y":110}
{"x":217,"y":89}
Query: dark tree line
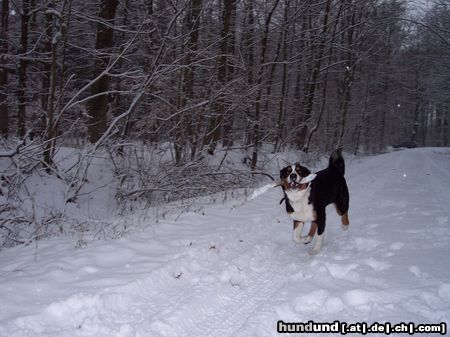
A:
{"x":205,"y":75}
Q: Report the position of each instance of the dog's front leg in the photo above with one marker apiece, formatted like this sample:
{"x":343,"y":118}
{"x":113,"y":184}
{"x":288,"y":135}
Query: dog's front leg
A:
{"x":298,"y":227}
{"x":312,"y":231}
{"x":317,"y":245}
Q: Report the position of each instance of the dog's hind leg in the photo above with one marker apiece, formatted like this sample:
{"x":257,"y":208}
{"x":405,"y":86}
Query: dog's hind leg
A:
{"x":298,"y":228}
{"x":345,"y":221}
{"x":321,"y":218}
{"x":344,"y":216}
{"x":341,"y":205}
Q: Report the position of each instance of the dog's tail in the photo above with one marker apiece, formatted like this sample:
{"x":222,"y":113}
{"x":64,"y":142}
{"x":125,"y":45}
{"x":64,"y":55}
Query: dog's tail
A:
{"x":337,"y":161}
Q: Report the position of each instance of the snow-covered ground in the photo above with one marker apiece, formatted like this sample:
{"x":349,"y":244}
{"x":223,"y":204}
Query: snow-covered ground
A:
{"x":235,"y":271}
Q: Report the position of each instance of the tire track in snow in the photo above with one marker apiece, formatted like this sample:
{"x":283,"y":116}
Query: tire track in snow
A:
{"x":441,"y":191}
{"x":233,"y":314}
{"x":367,"y":183}
{"x":227,"y":305}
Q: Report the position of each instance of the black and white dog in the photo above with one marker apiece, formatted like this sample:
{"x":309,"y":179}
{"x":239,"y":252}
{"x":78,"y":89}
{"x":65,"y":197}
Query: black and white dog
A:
{"x":307,"y":195}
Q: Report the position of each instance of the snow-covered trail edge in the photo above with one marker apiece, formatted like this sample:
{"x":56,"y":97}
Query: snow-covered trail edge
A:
{"x":236,"y":272}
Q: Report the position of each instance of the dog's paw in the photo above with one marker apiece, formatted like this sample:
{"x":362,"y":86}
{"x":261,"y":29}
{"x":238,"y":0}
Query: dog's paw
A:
{"x":306,"y":239}
{"x":318,"y":245}
{"x":297,"y":238}
{"x":314,"y":252}
{"x":344,"y":227}
{"x":298,"y":233}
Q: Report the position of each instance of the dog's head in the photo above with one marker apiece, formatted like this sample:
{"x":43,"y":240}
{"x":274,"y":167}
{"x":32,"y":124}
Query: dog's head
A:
{"x":295,"y":177}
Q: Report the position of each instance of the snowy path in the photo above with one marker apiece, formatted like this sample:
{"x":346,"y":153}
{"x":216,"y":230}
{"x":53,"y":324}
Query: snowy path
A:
{"x":237,"y":272}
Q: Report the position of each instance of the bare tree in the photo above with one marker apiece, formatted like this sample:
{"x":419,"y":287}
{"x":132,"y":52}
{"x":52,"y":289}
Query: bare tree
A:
{"x":98,"y":107}
{"x":23,"y":63}
{"x":4,"y":110}
{"x":259,"y":87}
{"x":310,"y":90}
{"x":184,"y":127}
{"x":224,"y":71}
{"x":57,"y":30}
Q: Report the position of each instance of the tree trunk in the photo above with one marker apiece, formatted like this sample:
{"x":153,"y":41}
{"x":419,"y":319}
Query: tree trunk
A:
{"x":386,"y":94}
{"x":50,"y":122}
{"x":98,"y":107}
{"x":349,"y":73}
{"x":47,"y":65}
{"x":310,"y":134}
{"x":307,"y":145}
{"x":249,"y":47}
{"x":22,"y":83}
{"x":4,"y":112}
{"x":445,"y":128}
{"x":416,"y":122}
{"x":221,"y":105}
{"x":311,"y":87}
{"x":283,"y":94}
{"x":362,"y":118}
{"x":259,"y":82}
{"x":227,"y":138}
{"x":185,"y":122}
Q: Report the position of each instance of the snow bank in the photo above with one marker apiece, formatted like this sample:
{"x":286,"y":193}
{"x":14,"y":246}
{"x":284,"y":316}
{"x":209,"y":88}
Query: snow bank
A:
{"x":217,"y":272}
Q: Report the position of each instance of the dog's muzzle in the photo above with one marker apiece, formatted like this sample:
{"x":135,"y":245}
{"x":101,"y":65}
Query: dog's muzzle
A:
{"x":294,"y":180}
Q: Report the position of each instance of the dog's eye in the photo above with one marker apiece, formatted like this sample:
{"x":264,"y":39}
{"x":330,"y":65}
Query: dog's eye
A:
{"x":289,"y":169}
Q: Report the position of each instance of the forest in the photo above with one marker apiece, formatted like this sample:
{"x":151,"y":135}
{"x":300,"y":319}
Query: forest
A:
{"x":141,"y":143}
{"x":206,"y":73}
{"x":156,"y":87}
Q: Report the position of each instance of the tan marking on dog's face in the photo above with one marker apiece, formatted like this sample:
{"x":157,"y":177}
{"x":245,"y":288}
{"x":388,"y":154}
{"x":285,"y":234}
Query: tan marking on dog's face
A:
{"x":345,"y":220}
{"x":313,"y":229}
{"x":285,"y":172}
{"x":285,"y":184}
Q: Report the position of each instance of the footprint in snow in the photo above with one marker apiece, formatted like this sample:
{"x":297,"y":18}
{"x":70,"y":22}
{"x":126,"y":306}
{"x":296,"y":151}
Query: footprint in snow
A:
{"x":373,"y":226}
{"x":319,"y":300}
{"x":357,"y":297}
{"x":286,"y":313}
{"x":444,"y":291}
{"x":311,"y":301}
{"x":396,"y":246}
{"x":377,"y":265}
{"x":89,"y":270}
{"x":343,"y":271}
{"x":333,"y":305}
{"x":417,"y":272}
{"x":393,"y":247}
{"x":367,"y":244}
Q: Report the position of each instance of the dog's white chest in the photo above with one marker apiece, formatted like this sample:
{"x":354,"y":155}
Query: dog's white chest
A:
{"x":299,"y":200}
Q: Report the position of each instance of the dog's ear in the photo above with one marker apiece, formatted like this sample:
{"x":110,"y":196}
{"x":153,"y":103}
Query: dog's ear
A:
{"x":284,"y":173}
